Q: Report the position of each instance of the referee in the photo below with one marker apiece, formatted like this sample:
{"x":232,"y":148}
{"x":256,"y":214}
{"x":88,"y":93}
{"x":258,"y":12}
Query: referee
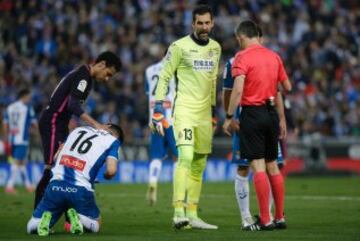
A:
{"x":257,"y":72}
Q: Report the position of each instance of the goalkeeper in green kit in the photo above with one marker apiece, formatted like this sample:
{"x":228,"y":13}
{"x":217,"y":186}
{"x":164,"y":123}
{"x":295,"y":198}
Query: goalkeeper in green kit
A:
{"x":193,"y":61}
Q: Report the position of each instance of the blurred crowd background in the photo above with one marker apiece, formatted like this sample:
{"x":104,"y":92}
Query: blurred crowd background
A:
{"x":40,"y":41}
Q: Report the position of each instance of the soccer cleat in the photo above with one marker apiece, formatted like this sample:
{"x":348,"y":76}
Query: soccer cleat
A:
{"x":248,"y":224}
{"x":76,"y":225}
{"x":151,"y":195}
{"x":43,"y":227}
{"x":266,"y":227}
{"x":67,"y":227}
{"x":200,"y":224}
{"x":30,"y":189}
{"x":280,"y":224}
{"x":10,"y":190}
{"x":180,"y":222}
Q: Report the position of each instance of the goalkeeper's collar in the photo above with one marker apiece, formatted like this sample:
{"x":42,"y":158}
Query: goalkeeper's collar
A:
{"x":199,"y":41}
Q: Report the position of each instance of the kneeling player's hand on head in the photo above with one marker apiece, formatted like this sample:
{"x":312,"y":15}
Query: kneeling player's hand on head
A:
{"x":158,"y":121}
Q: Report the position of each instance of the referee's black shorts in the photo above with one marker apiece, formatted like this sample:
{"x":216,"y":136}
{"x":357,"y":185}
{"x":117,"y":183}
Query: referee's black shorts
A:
{"x":259,"y":132}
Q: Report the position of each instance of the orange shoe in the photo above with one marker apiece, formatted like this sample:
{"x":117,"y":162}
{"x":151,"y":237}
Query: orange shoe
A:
{"x":67,"y":227}
{"x":10,"y":190}
{"x":30,"y":189}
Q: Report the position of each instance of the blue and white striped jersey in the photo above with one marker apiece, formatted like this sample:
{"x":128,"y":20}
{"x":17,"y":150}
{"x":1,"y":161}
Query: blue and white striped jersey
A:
{"x":83,"y":154}
{"x":19,"y":118}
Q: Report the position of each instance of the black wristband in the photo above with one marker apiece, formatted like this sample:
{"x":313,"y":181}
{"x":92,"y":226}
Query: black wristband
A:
{"x":229,"y":116}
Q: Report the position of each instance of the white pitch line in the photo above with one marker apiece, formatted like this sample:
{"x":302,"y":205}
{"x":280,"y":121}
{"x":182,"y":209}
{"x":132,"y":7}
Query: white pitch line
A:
{"x":302,"y":197}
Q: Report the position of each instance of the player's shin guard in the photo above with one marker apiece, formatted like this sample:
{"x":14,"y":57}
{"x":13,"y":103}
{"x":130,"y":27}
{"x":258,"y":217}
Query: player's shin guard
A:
{"x":89,"y":224}
{"x":194,"y":183}
{"x":262,"y":188}
{"x":242,"y":197}
{"x":278,"y":190}
{"x":186,"y":154}
{"x":40,"y":189}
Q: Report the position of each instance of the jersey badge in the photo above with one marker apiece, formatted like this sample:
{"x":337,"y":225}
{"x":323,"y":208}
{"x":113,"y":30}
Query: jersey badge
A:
{"x":82,"y":85}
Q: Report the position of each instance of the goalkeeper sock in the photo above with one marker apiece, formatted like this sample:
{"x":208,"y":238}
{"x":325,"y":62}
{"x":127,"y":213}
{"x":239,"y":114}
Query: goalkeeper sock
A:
{"x":32,"y":225}
{"x":278,"y":190}
{"x":154,"y":172}
{"x":186,"y":154}
{"x":194,"y":183}
{"x":262,"y":188}
{"x":242,"y":196}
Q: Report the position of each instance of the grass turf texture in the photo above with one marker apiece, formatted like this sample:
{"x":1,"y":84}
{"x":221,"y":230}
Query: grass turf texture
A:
{"x":316,"y":209}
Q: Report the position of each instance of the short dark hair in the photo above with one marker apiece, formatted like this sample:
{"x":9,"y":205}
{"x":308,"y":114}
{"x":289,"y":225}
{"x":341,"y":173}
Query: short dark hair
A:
{"x":247,"y":28}
{"x":23,"y":92}
{"x":201,"y":10}
{"x":118,"y":131}
{"x":111,"y":60}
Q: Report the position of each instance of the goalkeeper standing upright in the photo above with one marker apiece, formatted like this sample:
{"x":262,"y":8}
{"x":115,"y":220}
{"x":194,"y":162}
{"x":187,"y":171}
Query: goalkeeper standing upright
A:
{"x":194,"y":61}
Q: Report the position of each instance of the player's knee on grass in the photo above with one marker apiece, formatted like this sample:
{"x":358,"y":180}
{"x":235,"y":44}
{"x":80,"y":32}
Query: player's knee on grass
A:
{"x":186,"y":156}
{"x":90,"y":225}
{"x":272,"y":167}
{"x":243,"y":171}
{"x":198,"y":166}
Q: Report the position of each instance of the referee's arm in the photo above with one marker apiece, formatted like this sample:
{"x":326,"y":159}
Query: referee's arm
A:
{"x":236,"y":95}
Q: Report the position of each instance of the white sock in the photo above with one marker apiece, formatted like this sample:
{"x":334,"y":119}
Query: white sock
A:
{"x":13,"y":172}
{"x":242,"y":196}
{"x":32,"y":225}
{"x":89,"y":224}
{"x":25,"y":176}
{"x":154,"y":172}
{"x":271,"y":202}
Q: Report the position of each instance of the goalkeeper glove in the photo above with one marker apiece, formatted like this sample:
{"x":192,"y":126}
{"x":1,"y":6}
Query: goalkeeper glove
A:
{"x":158,"y":121}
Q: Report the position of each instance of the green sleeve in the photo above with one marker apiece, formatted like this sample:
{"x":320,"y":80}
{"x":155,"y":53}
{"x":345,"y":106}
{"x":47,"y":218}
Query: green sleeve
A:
{"x":171,"y":62}
{"x":215,"y":76}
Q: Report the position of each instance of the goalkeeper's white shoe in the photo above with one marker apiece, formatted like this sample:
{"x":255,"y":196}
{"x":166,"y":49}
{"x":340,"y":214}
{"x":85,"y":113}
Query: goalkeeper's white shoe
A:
{"x":200,"y":224}
{"x":180,"y":222}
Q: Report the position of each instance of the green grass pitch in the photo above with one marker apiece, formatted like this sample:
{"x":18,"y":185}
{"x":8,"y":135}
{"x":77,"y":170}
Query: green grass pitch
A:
{"x":316,"y":209}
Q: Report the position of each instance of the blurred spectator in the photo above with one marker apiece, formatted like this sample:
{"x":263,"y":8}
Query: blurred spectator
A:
{"x":319,"y":41}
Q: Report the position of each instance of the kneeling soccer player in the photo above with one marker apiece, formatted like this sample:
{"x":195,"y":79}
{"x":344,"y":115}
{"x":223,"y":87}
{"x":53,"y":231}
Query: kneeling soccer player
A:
{"x":71,"y":188}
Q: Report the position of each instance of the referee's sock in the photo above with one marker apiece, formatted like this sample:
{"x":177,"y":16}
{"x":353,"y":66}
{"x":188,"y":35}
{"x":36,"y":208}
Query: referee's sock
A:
{"x":278,"y":190}
{"x":40,"y":189}
{"x":262,"y":188}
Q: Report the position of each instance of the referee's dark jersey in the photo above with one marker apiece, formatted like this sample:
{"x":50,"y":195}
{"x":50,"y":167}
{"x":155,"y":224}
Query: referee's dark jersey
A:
{"x":65,"y":101}
{"x":259,"y":121}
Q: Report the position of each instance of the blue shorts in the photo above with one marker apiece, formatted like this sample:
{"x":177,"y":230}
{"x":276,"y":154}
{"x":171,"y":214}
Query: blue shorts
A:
{"x":244,"y":162}
{"x":19,"y":152}
{"x":60,"y":196}
{"x":160,"y":144}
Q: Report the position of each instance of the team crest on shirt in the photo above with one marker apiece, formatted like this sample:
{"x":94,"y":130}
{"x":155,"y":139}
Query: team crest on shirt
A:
{"x":211,"y":53}
{"x":180,"y":135}
{"x":82,"y":85}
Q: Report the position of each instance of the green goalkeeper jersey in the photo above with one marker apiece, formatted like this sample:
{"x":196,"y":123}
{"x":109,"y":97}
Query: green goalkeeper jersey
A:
{"x":195,"y":68}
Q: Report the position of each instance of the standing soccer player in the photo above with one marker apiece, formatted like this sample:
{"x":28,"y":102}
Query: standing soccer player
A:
{"x":65,"y":101}
{"x":71,"y":189}
{"x":18,"y":119}
{"x":257,"y":71}
{"x":159,"y":144}
{"x":194,"y":60}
